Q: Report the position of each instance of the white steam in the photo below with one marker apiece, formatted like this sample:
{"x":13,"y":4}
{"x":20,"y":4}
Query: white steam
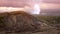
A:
{"x":33,"y":10}
{"x":36,"y":9}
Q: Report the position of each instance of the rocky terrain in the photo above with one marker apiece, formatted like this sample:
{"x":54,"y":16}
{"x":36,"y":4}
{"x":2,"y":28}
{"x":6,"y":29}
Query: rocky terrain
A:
{"x":19,"y":22}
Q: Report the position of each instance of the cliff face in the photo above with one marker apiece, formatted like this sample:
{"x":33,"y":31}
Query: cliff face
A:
{"x":19,"y":21}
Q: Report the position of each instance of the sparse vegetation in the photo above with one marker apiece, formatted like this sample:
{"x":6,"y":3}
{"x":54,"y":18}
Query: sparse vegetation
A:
{"x":50,"y":19}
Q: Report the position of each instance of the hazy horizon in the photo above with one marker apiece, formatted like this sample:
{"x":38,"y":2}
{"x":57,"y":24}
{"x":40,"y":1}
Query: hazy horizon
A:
{"x":46,"y":6}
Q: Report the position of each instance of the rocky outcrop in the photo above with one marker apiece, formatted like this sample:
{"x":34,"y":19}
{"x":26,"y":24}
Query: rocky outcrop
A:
{"x":19,"y":21}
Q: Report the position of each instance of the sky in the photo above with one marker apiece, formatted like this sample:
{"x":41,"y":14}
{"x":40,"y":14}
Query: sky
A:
{"x":52,"y":1}
{"x":17,"y":3}
{"x":50,"y":4}
{"x":44,"y":4}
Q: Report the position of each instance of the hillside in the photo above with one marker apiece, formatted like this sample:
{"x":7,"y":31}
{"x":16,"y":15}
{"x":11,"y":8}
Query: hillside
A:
{"x":19,"y":21}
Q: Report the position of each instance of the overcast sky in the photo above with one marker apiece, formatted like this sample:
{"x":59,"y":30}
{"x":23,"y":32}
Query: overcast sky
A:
{"x":51,"y":1}
{"x":20,"y":3}
{"x":45,"y":4}
{"x":17,"y":3}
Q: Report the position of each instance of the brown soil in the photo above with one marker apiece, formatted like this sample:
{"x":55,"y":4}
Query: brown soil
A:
{"x":19,"y":21}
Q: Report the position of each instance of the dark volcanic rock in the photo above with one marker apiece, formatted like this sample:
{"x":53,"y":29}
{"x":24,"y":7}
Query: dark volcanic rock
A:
{"x":20,"y":21}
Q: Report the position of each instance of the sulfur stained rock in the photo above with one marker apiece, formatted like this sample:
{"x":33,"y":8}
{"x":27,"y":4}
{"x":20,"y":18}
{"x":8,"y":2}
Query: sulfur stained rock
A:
{"x":19,"y":21}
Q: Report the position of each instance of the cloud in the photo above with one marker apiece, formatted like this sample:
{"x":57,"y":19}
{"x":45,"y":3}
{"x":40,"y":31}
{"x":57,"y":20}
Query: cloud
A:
{"x":13,"y":3}
{"x":52,"y":1}
{"x":50,"y":6}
